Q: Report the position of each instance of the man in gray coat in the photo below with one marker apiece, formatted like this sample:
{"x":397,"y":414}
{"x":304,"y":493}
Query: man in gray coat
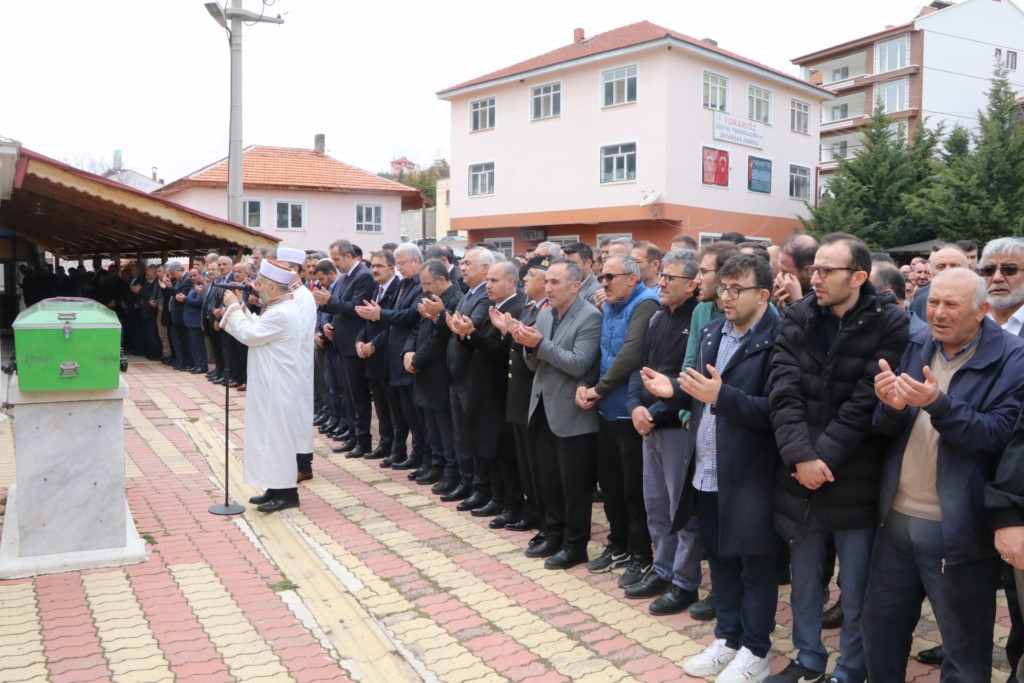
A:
{"x":563,"y":349}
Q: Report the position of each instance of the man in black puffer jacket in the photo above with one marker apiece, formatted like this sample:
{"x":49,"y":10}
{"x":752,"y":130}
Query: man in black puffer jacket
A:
{"x":822,"y":400}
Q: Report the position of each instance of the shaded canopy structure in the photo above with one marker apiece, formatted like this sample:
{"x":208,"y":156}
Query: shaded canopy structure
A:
{"x":916,"y":248}
{"x":75,"y":214}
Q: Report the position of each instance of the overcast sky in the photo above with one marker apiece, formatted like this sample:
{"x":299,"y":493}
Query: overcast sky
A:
{"x":151,"y":77}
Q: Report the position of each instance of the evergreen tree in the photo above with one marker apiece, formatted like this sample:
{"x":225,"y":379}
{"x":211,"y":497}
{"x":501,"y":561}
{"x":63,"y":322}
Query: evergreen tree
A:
{"x":867,"y":194}
{"x":979,"y":195}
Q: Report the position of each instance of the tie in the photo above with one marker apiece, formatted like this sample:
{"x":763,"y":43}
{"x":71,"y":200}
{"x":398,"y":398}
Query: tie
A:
{"x":401,"y":289}
{"x":380,"y":293}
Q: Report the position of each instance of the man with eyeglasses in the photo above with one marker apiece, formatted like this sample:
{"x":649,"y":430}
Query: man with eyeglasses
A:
{"x":676,"y":576}
{"x":942,"y":258}
{"x":731,"y":487}
{"x":822,"y":400}
{"x":629,"y":305}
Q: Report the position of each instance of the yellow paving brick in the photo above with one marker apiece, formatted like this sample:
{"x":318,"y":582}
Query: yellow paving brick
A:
{"x":20,"y":639}
{"x":455,"y":663}
{"x":149,"y":676}
{"x":565,"y":659}
{"x":36,"y":672}
{"x":548,"y":648}
{"x":608,"y":674}
{"x":436,"y":654}
{"x":152,"y":662}
{"x":251,"y":647}
{"x":262,"y":659}
{"x":21,"y":660}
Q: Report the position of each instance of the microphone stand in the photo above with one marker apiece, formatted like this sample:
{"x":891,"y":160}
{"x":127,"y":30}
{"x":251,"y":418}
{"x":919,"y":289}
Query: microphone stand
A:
{"x":228,"y":508}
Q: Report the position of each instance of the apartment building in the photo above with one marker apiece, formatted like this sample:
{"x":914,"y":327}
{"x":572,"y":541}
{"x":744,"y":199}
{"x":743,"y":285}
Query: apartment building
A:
{"x":934,"y":70}
{"x":639,"y":131}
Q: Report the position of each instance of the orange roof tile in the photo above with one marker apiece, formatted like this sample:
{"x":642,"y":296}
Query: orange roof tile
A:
{"x":286,"y":168}
{"x":626,"y":36}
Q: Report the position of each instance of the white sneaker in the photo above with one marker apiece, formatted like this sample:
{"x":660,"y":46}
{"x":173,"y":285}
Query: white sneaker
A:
{"x":711,"y":661}
{"x":745,"y":666}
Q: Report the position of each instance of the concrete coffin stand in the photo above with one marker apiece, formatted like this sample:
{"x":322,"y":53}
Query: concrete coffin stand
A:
{"x":68,"y":510}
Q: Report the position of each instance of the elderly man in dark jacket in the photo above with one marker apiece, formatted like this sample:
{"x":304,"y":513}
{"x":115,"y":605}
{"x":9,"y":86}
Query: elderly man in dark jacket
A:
{"x":951,"y":408}
{"x":822,"y":401}
{"x":731,"y":485}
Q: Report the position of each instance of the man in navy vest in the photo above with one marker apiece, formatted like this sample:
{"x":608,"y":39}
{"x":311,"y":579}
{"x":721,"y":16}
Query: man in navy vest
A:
{"x":628,"y":308}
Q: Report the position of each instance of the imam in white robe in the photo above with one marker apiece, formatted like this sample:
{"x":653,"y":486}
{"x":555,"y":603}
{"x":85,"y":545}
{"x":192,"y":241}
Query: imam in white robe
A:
{"x":307,"y":311}
{"x":277,"y":381}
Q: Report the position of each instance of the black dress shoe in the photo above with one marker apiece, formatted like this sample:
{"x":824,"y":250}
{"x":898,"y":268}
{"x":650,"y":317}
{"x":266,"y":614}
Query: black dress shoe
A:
{"x":321,"y":419}
{"x":431,"y":476}
{"x":673,"y":601}
{"x":341,"y":435}
{"x":520,"y":525}
{"x":328,"y":427}
{"x":198,"y":371}
{"x":375,"y":454}
{"x":263,"y":497}
{"x":281,"y":501}
{"x":491,"y":509}
{"x":546,"y":548}
{"x":476,"y":500}
{"x":445,"y":485}
{"x":501,"y":520}
{"x":704,"y":610}
{"x":460,"y":492}
{"x":566,"y":558}
{"x":409,"y":463}
{"x":833,"y":616}
{"x":933,"y":656}
{"x":345,"y":447}
{"x":650,"y":586}
{"x":538,"y":538}
{"x":419,"y":471}
{"x":387,"y":462}
{"x":303,"y":476}
{"x":358,"y":452}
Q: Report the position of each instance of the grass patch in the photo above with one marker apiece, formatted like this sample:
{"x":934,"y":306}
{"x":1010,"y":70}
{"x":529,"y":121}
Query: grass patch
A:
{"x":284,"y":585}
{"x":149,"y":539}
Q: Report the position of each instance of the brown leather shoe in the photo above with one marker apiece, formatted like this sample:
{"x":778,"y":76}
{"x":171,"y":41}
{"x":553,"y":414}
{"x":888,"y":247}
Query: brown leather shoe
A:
{"x":303,"y":476}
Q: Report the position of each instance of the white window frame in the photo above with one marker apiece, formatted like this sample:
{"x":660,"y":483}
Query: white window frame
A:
{"x":563,"y":239}
{"x":602,"y":236}
{"x":549,"y":94}
{"x":759,"y":101}
{"x":482,"y":109}
{"x":291,"y":204}
{"x":1011,"y":60}
{"x":795,"y":175}
{"x":623,"y":75}
{"x":843,"y":149}
{"x":375,"y":224}
{"x":503,"y":244}
{"x":800,"y":116}
{"x":881,"y":92}
{"x":478,"y":171}
{"x":718,"y":85}
{"x":840,"y":111}
{"x":247,"y":213}
{"x":619,"y":154}
{"x":884,"y":55}
{"x":840,"y":73}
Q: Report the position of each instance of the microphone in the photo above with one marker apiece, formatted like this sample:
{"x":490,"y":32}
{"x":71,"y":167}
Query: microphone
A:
{"x":230,"y":285}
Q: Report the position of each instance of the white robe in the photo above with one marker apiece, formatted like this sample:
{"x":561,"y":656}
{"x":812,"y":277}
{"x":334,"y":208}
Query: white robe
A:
{"x":307,"y":311}
{"x":276,"y":386}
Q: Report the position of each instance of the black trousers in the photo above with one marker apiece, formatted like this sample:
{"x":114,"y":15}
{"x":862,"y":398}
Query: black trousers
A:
{"x":216,"y":344}
{"x":620,"y":471}
{"x":505,"y":485}
{"x":529,"y":475}
{"x":321,"y":395}
{"x":357,"y":398}
{"x":566,"y":474}
{"x":463,"y":414}
{"x":335,"y":385}
{"x":382,"y":406}
{"x":154,"y":349}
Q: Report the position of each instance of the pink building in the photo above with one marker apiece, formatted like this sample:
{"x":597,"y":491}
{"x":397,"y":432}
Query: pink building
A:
{"x":640,"y":131}
{"x":303,"y":197}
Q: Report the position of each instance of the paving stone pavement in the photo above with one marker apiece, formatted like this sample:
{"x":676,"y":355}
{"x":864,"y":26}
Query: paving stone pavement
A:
{"x":372,"y":579}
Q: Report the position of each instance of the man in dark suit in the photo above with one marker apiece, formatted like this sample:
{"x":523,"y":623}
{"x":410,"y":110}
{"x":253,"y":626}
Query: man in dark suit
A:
{"x":328,"y":278}
{"x":180,"y":287}
{"x":426,"y":358}
{"x":525,"y":513}
{"x":371,"y":346}
{"x":494,"y":451}
{"x":473,"y":307}
{"x":213,"y":301}
{"x":357,"y":288}
{"x":563,"y":349}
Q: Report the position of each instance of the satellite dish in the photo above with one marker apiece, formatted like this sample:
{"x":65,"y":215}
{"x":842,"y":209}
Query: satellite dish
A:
{"x":648,"y":197}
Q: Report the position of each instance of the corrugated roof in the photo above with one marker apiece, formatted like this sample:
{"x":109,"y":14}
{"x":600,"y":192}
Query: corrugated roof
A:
{"x":626,"y":36}
{"x":289,"y":168}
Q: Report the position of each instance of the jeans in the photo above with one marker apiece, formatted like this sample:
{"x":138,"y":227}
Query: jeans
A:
{"x":746,"y":588}
{"x":907,"y":565}
{"x":853,"y":546}
{"x":676,"y":556}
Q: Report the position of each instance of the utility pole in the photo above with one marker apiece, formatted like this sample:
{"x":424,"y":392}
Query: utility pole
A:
{"x":236,"y":15}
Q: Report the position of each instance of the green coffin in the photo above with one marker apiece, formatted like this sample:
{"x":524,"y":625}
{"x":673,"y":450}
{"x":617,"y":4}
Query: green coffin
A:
{"x":67,"y":344}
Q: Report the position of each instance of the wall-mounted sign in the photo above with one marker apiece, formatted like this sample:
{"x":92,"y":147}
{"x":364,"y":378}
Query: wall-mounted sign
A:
{"x":744,"y":132}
